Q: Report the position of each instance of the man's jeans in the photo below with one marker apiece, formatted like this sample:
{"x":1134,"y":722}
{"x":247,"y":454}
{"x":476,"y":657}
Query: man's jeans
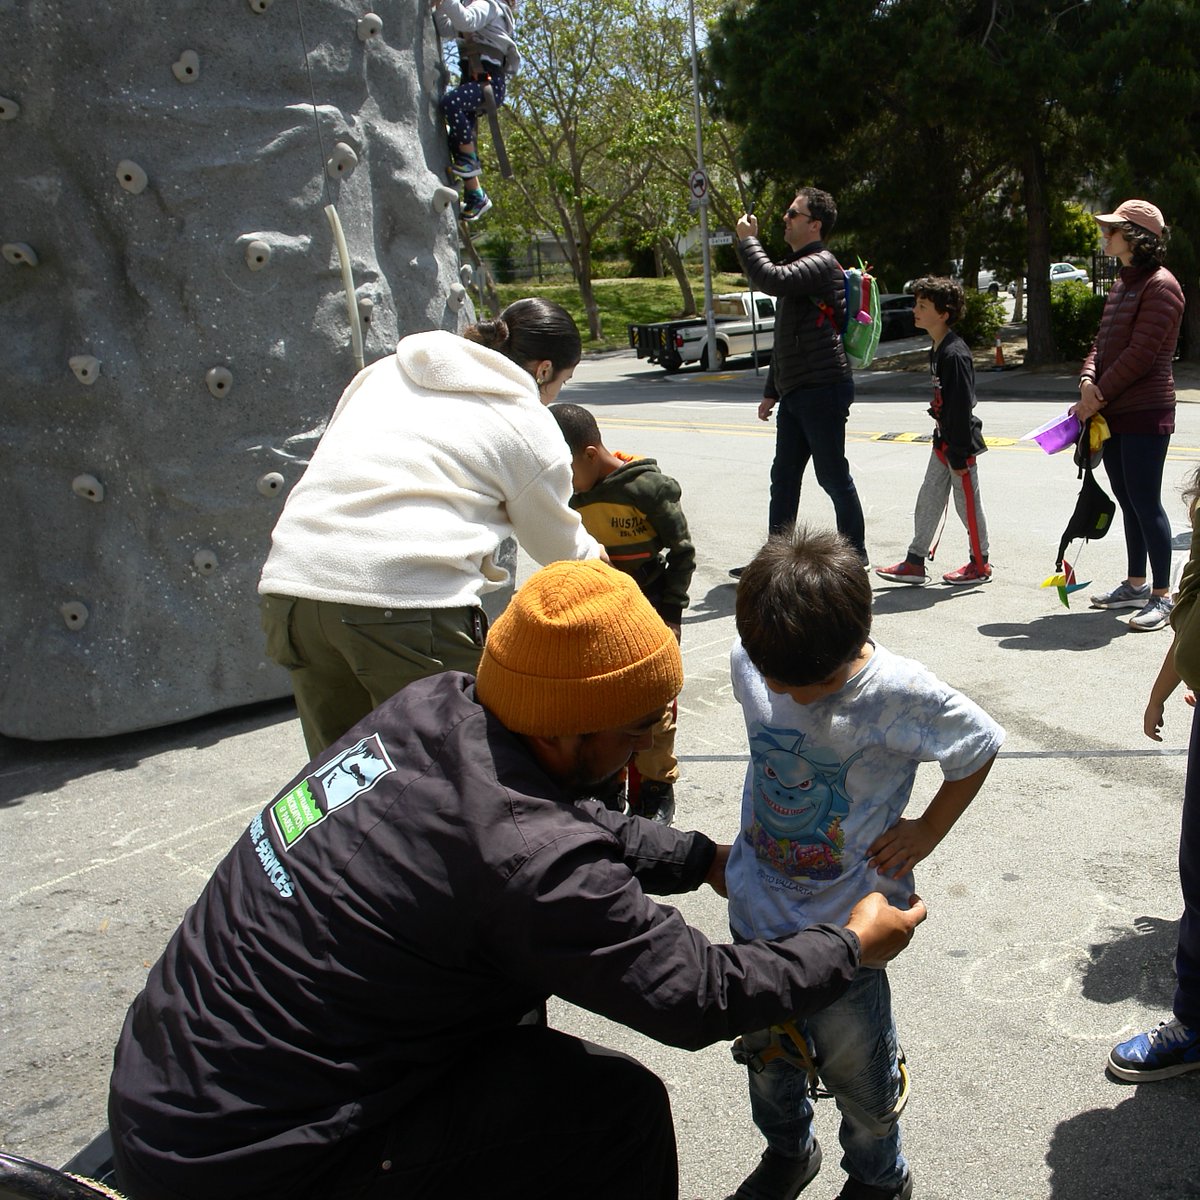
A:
{"x":853,"y":1043}
{"x":811,"y":424}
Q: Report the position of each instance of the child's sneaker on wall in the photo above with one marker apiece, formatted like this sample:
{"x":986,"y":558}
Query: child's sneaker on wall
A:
{"x":465,"y":166}
{"x":904,"y":572}
{"x":475,"y":204}
{"x":1171,"y":1049}
{"x":1123,"y":596}
{"x":973,"y":572}
{"x":778,"y":1177}
{"x":1155,"y":614}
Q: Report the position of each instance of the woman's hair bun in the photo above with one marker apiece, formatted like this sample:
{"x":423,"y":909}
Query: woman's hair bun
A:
{"x":493,"y":333}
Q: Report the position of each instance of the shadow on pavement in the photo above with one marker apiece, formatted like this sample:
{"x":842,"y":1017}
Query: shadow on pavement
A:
{"x":716,"y":603}
{"x":1060,"y":631}
{"x":1137,"y":965}
{"x":31,"y":768}
{"x":1145,"y":1147}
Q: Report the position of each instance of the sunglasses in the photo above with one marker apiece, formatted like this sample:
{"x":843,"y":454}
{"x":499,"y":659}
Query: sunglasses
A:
{"x":793,"y":213}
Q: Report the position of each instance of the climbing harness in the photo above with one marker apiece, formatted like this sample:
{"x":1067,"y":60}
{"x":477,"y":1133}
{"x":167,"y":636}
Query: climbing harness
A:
{"x":475,"y":72}
{"x":756,"y":1050}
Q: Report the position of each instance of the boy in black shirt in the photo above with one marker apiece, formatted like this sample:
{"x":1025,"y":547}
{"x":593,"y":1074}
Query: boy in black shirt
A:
{"x":957,"y":439}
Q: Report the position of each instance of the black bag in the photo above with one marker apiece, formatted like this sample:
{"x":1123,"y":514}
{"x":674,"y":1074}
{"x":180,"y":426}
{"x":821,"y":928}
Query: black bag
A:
{"x":1094,"y":510}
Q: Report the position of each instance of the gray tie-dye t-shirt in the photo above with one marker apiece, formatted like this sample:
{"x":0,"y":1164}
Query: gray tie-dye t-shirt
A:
{"x":825,"y":779}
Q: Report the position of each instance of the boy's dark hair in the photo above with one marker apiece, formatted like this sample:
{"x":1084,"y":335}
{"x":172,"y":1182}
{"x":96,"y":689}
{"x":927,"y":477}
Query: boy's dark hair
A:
{"x":822,"y":207}
{"x":578,"y":426}
{"x":803,"y":606}
{"x":946,"y":295}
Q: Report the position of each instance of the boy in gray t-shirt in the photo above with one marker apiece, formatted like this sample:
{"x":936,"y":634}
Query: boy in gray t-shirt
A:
{"x":837,"y":726}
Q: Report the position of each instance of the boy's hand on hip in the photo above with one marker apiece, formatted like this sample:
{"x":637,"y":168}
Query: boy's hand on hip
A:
{"x":897,"y":850}
{"x":883,"y":931}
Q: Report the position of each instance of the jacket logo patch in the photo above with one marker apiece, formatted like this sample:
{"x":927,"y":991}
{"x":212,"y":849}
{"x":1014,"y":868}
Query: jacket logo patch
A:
{"x":341,"y":780}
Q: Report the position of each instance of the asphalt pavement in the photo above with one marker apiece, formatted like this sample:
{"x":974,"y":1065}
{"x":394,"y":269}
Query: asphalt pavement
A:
{"x":1053,"y":904}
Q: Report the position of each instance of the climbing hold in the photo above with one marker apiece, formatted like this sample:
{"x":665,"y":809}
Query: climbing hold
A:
{"x":187,"y":67}
{"x":258,"y":254}
{"x":369,"y":27}
{"x":205,"y":561}
{"x":271,"y":484}
{"x":366,"y":308}
{"x":260,"y":6}
{"x":86,"y":368}
{"x":75,"y":613}
{"x":89,"y":487}
{"x":443,"y":197}
{"x":19,"y":254}
{"x":131,"y":177}
{"x":219,"y":381}
{"x":467,"y":274}
{"x":342,"y":161}
{"x":457,"y":297}
{"x":9,"y":109}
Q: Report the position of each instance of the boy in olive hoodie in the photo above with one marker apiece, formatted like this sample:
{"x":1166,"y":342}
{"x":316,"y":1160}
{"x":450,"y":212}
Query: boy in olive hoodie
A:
{"x":630,"y":507}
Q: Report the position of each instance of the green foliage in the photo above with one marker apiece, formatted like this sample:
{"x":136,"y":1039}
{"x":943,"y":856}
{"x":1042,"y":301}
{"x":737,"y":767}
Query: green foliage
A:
{"x":1073,"y":232}
{"x":622,"y":302}
{"x":1074,"y":317}
{"x":982,"y":318}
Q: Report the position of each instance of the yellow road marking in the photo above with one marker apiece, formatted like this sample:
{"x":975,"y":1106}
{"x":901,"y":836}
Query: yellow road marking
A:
{"x":766,"y":430}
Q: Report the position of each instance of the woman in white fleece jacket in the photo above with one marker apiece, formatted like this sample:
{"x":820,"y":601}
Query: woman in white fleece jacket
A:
{"x":433,"y":456}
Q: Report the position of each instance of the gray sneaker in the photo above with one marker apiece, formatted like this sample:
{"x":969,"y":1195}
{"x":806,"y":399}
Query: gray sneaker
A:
{"x":1155,"y":615}
{"x":1123,"y":596}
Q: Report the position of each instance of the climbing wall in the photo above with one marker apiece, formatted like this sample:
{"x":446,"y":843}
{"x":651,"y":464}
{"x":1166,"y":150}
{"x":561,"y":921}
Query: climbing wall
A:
{"x":174,"y":325}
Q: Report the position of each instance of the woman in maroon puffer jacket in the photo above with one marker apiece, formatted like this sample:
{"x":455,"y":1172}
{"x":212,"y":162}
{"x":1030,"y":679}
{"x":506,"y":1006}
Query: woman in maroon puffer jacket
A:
{"x":1127,"y":376}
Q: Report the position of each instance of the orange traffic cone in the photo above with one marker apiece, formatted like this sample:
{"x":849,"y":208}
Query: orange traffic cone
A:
{"x":999,"y":365}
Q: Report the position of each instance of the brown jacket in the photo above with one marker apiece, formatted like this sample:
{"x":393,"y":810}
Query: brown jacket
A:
{"x":1130,"y":360}
{"x":808,"y":348}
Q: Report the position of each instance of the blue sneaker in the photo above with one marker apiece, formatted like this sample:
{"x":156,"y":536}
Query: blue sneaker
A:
{"x":1171,"y":1049}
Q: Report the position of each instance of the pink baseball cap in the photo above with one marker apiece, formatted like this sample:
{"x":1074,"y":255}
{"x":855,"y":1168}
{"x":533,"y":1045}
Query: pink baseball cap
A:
{"x":1136,"y":212}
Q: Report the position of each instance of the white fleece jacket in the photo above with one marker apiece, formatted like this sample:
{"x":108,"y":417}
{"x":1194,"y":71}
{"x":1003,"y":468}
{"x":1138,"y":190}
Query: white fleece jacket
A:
{"x":432,"y":457}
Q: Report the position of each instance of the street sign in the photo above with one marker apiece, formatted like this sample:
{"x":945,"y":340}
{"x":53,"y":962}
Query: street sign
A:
{"x":721,"y":239}
{"x":698,"y":184}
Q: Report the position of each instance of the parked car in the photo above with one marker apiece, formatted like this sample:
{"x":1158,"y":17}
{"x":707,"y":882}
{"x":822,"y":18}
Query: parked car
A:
{"x":1060,"y":272}
{"x":670,"y":344}
{"x":896,"y":309}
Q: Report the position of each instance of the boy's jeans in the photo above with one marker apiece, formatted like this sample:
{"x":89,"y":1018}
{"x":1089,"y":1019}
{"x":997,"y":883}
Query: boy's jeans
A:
{"x":853,"y":1042}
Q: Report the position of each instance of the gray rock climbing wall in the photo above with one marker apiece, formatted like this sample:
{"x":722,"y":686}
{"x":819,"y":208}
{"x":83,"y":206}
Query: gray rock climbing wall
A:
{"x":174,"y":330}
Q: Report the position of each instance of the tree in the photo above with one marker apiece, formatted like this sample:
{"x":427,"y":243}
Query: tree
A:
{"x":914,"y":113}
{"x":591,"y":114}
{"x":1147,"y":59}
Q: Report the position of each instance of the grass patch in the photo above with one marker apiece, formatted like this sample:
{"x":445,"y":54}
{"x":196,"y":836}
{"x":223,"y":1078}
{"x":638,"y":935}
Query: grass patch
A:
{"x":622,"y":302}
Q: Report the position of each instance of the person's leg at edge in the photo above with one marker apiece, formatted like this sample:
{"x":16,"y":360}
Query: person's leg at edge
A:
{"x":792,"y":453}
{"x":856,"y":1055}
{"x":1187,"y":955}
{"x":1143,"y":457}
{"x":824,"y":413}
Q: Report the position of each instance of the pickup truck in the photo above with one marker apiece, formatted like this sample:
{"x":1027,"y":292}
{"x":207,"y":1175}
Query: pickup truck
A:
{"x":673,"y":343}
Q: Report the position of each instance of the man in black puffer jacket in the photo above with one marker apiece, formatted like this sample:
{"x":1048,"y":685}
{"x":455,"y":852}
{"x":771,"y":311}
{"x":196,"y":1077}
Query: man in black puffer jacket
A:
{"x":810,"y":376}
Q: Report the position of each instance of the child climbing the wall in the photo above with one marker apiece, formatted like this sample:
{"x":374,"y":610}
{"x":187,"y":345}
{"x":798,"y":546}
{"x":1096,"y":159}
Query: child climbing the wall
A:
{"x":486,"y":54}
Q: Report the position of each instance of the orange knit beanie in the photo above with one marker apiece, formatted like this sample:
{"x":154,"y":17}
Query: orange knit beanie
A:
{"x":578,"y":649}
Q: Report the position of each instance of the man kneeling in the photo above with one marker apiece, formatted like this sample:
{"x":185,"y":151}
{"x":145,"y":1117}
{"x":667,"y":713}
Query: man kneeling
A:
{"x":340,"y":1013}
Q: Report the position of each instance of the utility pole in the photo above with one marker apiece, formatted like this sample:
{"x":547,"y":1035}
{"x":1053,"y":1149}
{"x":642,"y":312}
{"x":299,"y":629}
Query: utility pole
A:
{"x":699,"y":186}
